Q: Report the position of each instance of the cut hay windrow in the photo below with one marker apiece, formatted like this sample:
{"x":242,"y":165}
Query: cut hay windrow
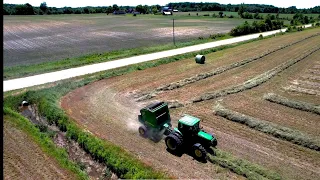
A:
{"x":241,"y":167}
{"x":275,"y":130}
{"x":256,"y":81}
{"x":311,"y":77}
{"x":314,"y":71}
{"x":293,"y":88}
{"x":304,"y":106}
{"x":306,"y":84}
{"x":219,"y":70}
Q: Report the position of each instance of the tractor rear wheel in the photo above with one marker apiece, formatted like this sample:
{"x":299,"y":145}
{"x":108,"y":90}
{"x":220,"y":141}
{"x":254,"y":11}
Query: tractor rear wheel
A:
{"x":174,"y":141}
{"x":143,"y":131}
{"x":199,"y":152}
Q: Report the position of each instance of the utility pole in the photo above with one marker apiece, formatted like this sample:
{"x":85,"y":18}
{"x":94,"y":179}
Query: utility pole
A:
{"x":173,"y":37}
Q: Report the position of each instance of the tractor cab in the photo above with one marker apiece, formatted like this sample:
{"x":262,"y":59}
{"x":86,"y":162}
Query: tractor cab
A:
{"x":189,"y":125}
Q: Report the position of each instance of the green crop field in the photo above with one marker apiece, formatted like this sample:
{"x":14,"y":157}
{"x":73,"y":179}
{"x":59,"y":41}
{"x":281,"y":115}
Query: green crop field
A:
{"x":36,"y":39}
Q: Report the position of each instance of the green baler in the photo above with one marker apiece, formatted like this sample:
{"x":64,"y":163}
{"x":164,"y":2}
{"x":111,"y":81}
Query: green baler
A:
{"x":188,"y":135}
{"x":155,"y":119}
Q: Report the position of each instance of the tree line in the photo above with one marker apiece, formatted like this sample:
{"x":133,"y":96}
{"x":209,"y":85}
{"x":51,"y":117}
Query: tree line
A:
{"x":243,"y":10}
{"x":271,"y":22}
{"x":28,"y":9}
{"x":252,"y":8}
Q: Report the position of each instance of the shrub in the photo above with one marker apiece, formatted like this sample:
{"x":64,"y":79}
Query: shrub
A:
{"x":260,"y":36}
{"x":231,"y":16}
{"x":247,"y":15}
{"x":215,"y":36}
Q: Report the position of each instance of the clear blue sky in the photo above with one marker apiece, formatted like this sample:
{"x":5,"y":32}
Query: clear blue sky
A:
{"x":83,"y":3}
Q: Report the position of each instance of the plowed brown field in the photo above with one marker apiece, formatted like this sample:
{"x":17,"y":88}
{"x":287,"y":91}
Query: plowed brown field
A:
{"x":109,"y":109}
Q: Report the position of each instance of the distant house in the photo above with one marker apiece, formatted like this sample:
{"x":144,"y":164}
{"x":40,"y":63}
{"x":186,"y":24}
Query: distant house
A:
{"x":166,"y":11}
{"x":119,"y":12}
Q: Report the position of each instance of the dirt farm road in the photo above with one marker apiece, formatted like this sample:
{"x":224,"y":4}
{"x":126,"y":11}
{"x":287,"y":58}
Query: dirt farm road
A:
{"x":30,"y":81}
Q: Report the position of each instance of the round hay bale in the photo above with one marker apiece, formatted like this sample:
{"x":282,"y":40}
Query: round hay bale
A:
{"x":200,"y":59}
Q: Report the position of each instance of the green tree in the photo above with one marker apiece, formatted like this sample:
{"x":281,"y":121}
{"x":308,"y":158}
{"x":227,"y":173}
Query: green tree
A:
{"x":44,"y":7}
{"x":221,"y":14}
{"x":109,"y":10}
{"x":306,"y":20}
{"x":241,"y":10}
{"x":257,"y":16}
{"x":25,"y":9}
{"x":154,"y":9}
{"x":86,"y":10}
{"x":140,"y":9}
{"x":115,"y":7}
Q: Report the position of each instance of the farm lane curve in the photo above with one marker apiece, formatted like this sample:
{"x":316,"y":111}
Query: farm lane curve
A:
{"x":30,"y":81}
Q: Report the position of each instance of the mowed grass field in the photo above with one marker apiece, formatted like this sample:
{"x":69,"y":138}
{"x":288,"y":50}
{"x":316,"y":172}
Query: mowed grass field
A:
{"x":281,"y":139}
{"x":36,"y":39}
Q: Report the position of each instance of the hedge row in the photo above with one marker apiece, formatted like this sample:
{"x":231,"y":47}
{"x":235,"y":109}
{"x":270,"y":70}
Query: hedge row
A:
{"x":275,"y":130}
{"x":304,"y":106}
{"x":256,"y":81}
{"x":217,"y":71}
{"x":256,"y":27}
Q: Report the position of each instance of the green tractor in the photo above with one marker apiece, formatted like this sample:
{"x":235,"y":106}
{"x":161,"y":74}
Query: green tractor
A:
{"x":187,"y":136}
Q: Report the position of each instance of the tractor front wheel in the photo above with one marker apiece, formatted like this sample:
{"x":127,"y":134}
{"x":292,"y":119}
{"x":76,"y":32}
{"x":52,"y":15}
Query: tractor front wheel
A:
{"x":199,"y":152}
{"x":143,"y":131}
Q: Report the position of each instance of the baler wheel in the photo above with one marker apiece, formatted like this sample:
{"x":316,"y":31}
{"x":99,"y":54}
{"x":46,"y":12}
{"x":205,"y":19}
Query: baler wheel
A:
{"x":143,"y":131}
{"x":198,"y":151}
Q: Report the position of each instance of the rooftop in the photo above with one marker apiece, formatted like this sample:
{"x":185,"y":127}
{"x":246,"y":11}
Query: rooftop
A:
{"x":189,"y":120}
